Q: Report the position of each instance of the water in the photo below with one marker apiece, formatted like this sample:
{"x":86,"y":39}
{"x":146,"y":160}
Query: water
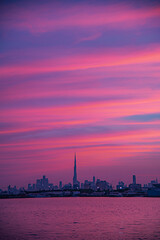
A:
{"x":80,"y":218}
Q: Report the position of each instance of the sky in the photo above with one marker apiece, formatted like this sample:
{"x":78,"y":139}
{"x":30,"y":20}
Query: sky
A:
{"x":84,"y":77}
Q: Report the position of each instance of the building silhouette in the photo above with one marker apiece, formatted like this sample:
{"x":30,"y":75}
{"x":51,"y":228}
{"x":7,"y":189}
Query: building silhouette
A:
{"x":134,"y":186}
{"x":134,"y":179}
{"x":60,"y":185}
{"x":76,"y":184}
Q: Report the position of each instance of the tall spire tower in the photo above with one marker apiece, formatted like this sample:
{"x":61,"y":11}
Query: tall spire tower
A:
{"x":75,"y":171}
{"x":76,"y":184}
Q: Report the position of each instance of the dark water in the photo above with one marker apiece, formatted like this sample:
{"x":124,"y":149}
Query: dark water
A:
{"x":80,"y":218}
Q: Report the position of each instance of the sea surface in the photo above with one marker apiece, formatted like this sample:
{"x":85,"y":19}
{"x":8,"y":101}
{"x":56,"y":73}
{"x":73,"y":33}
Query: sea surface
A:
{"x":80,"y":218}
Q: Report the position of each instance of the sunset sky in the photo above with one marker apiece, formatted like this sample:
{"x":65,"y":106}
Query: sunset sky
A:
{"x":84,"y":77}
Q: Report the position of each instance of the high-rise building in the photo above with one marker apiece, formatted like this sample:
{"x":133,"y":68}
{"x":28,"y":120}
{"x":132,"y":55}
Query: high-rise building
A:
{"x":75,"y":181}
{"x":134,"y":179}
{"x":60,"y":185}
{"x":75,"y":171}
{"x":94,"y":180}
{"x":134,"y":186}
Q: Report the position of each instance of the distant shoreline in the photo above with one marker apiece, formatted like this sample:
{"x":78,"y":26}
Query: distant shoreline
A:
{"x":25,"y":197}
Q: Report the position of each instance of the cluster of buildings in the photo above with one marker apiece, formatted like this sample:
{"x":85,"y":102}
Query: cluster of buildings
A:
{"x":88,"y":188}
{"x":43,"y":184}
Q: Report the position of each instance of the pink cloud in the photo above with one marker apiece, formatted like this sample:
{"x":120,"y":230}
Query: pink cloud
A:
{"x":89,"y":37}
{"x":107,"y":58}
{"x":50,"y":17}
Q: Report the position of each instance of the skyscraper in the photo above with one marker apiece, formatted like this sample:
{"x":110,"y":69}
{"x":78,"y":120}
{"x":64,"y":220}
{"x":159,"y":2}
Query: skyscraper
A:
{"x":94,"y":179}
{"x":60,"y":185}
{"x":134,"y":179}
{"x":75,"y":181}
{"x":75,"y":171}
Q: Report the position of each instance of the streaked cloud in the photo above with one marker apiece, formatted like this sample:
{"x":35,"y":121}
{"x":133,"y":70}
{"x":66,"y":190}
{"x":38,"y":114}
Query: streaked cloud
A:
{"x":56,"y":15}
{"x":79,"y":77}
{"x":144,"y":117}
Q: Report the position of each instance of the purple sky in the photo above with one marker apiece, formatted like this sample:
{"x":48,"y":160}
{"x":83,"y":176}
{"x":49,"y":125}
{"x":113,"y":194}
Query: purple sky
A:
{"x":84,"y":77}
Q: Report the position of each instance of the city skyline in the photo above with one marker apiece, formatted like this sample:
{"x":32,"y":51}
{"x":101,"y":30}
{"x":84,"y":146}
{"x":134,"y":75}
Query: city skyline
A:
{"x":79,"y":76}
{"x":44,"y":183}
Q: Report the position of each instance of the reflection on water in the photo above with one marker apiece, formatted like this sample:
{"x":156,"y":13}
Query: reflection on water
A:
{"x":80,"y":218}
